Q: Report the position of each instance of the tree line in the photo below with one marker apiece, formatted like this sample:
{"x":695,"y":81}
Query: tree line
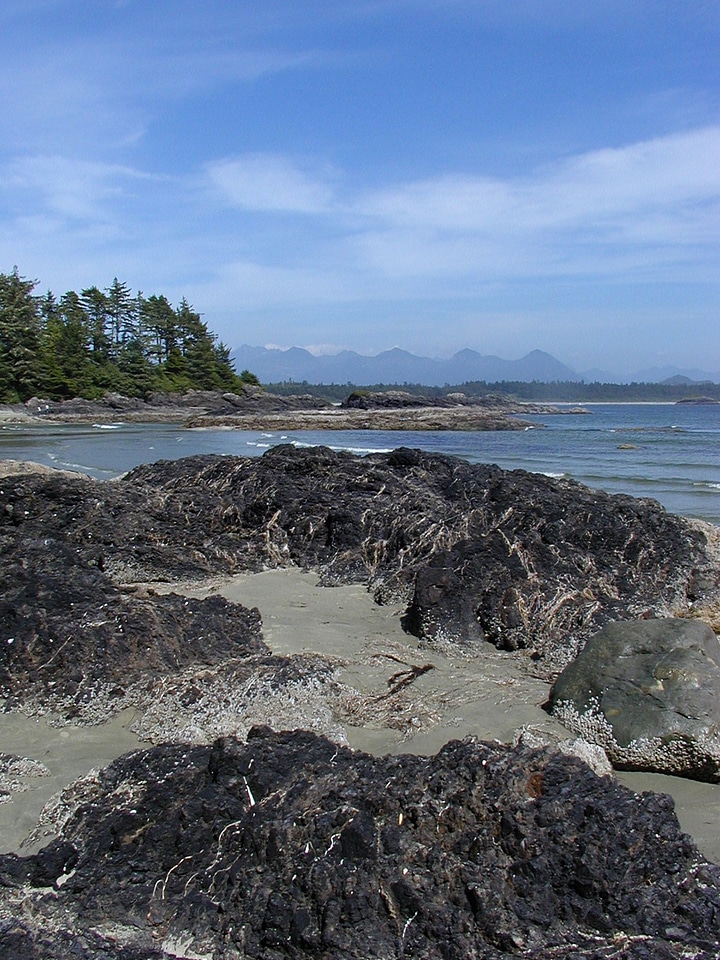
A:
{"x":569,"y":391}
{"x":85,"y":344}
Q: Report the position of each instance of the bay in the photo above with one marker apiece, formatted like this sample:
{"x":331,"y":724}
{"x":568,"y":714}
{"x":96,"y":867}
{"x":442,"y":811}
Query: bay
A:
{"x":670,"y":452}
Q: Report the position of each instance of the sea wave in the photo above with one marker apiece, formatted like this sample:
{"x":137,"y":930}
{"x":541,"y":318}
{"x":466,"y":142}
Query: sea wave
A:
{"x":361,"y":451}
{"x":344,"y":448}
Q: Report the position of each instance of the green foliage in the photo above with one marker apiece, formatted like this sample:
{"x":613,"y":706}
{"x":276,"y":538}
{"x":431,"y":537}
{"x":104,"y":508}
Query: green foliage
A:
{"x":20,"y":329}
{"x":86,"y":344}
{"x":556,"y":392}
{"x":249,"y":378}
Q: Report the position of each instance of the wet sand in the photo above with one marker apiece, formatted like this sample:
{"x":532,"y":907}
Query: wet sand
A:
{"x":489,"y":696}
{"x":68,"y":752}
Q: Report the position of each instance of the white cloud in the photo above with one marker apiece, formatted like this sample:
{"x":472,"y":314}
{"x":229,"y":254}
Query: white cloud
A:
{"x":642,"y":215}
{"x":595,"y":213}
{"x":586,"y":189}
{"x":73,"y":189}
{"x":271,"y":183}
{"x":254,"y":286}
{"x":102,"y":92}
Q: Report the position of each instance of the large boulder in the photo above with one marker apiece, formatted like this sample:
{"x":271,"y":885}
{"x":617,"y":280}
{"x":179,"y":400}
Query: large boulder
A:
{"x":648,"y":692}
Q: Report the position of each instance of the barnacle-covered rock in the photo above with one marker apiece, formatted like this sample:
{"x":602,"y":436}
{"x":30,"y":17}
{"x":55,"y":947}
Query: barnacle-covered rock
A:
{"x":648,"y":692}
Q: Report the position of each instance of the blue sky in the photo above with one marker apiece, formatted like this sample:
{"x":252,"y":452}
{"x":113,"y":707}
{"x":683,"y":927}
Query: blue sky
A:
{"x":503,"y":175}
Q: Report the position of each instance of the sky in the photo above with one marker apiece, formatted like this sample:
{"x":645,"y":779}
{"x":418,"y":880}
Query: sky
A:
{"x":500,"y":175}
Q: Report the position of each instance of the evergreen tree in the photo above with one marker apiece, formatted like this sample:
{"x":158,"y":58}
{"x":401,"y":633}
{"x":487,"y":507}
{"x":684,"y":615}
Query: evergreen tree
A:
{"x":208,"y":364}
{"x":81,"y":346}
{"x":97,"y":308}
{"x":160,"y":322}
{"x":122,"y":314}
{"x":136,"y":371}
{"x":19,"y":337}
{"x":65,"y":349}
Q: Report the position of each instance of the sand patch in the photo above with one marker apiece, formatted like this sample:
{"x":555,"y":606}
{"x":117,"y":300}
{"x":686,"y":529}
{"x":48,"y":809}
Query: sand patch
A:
{"x":68,"y":752}
{"x":398,"y":697}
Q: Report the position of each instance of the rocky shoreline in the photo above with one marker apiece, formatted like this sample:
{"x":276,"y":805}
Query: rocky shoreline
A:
{"x":337,"y":853}
{"x":255,"y":409}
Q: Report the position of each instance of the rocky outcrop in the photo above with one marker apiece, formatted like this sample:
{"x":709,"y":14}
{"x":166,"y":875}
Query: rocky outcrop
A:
{"x":75,"y":644}
{"x":290,"y":846}
{"x":402,"y":400}
{"x":387,"y":418}
{"x":517,"y":559}
{"x":254,"y":409}
{"x":648,"y":692}
{"x":164,"y":407}
{"x":72,"y":640}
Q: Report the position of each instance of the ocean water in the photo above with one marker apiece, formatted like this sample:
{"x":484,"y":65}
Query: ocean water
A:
{"x":665,"y":451}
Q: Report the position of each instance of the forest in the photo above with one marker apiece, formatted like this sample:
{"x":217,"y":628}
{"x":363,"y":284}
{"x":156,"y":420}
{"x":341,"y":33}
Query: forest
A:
{"x":85,"y":344}
{"x":568,"y":391}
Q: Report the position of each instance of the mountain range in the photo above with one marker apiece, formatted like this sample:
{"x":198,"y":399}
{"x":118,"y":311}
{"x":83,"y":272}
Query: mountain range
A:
{"x":396,"y":366}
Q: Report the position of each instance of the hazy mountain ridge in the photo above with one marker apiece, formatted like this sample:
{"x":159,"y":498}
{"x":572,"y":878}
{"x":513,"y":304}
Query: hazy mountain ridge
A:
{"x":399,"y":366}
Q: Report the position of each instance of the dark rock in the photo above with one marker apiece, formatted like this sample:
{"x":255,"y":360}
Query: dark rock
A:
{"x":519,"y":559}
{"x":402,"y":400}
{"x":394,"y":399}
{"x":290,"y":847}
{"x":69,"y":634}
{"x":649,"y":693}
{"x":170,"y":406}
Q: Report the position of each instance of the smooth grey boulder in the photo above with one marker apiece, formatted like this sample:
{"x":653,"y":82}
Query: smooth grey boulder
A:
{"x":648,"y":692}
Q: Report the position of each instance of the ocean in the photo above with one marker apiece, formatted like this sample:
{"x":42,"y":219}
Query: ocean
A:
{"x":670,"y":452}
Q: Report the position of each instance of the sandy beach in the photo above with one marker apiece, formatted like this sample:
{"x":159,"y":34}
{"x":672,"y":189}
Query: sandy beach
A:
{"x":490,"y":696}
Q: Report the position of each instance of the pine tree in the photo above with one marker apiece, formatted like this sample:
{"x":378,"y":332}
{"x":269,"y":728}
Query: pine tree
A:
{"x":160,"y":321}
{"x":19,"y":337}
{"x":122,"y":314}
{"x":97,"y":341}
{"x":97,"y":308}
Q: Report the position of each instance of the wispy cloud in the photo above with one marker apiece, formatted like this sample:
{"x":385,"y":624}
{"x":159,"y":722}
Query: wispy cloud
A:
{"x":97,"y":94}
{"x":609,"y":212}
{"x":66,"y":188}
{"x":598,"y":212}
{"x":650,"y":208}
{"x":270,"y":183}
{"x":590,"y":189}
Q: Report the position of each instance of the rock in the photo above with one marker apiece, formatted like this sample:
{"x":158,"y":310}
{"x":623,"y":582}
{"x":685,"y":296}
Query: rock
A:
{"x":479,"y":554}
{"x":590,"y":753}
{"x":290,"y":846}
{"x":648,"y":692}
{"x":14,"y":771}
{"x":433,"y":417}
{"x":400,"y":399}
{"x":72,"y":640}
{"x":162,"y":407}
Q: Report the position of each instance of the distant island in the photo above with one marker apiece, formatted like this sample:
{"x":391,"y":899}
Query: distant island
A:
{"x":521,"y":391}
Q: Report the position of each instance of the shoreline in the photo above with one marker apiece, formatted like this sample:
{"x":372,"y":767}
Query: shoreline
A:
{"x":410,"y":419}
{"x":489,"y":696}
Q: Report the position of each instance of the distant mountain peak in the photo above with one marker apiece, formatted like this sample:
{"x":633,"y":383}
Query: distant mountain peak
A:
{"x":396,"y":366}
